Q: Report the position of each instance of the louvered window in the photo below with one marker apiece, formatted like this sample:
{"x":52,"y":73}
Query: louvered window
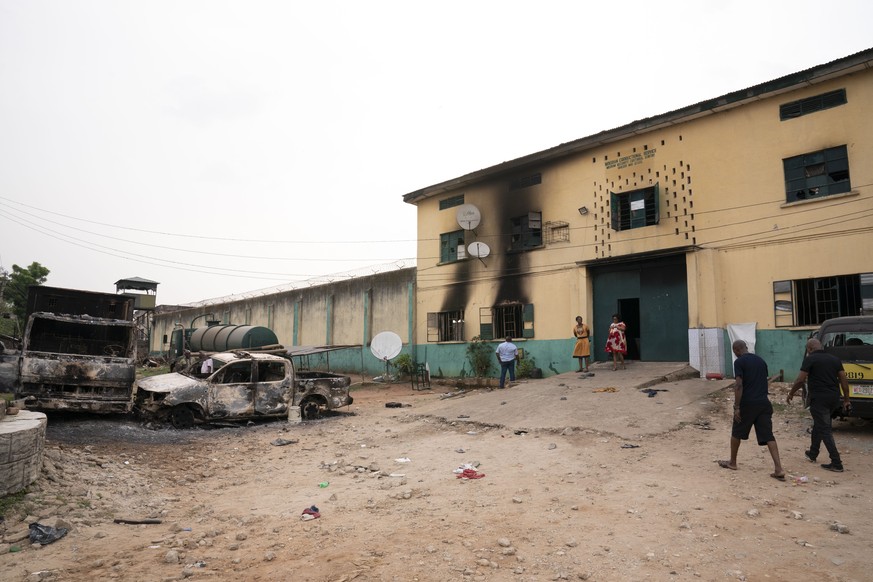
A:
{"x":812,"y":104}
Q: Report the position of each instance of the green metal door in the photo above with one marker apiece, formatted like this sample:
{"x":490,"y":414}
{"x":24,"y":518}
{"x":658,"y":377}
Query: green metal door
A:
{"x":660,"y":287}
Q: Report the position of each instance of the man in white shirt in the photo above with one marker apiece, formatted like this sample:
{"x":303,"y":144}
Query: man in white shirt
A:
{"x":506,"y":354}
{"x":206,"y":366}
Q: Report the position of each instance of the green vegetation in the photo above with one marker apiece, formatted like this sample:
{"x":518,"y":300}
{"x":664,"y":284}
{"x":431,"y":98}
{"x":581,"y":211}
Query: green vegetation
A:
{"x":481,"y":357}
{"x":11,"y":502}
{"x":525,"y":368}
{"x":404,"y":365}
{"x":13,"y":295}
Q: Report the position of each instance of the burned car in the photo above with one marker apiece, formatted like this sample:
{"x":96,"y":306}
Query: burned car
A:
{"x":239,"y":385}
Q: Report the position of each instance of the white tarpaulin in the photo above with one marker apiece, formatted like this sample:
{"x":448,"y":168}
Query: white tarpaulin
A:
{"x":741,"y":331}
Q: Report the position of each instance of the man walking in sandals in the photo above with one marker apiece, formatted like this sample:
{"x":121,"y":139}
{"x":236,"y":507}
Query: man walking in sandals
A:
{"x":752,"y":407}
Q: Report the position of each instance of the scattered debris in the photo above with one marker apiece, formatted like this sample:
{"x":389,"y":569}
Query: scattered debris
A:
{"x":283,"y":442}
{"x":653,"y":391}
{"x":470,"y":474}
{"x":43,"y":534}
{"x":629,"y":446}
{"x":609,"y":389}
{"x":137,"y":521}
{"x":309,"y":513}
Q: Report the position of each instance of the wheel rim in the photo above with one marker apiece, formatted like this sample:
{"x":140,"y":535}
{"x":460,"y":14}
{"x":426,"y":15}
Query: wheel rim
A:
{"x":182,"y":417}
{"x":310,"y":410}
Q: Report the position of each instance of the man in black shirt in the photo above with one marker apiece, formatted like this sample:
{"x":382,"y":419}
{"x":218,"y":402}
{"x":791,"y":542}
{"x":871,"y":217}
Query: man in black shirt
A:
{"x":827,"y":380}
{"x":752,"y":407}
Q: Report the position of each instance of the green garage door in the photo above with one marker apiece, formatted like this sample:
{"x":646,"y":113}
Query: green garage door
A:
{"x":652,"y":298}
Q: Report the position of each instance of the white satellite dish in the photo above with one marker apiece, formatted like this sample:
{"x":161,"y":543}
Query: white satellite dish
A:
{"x":478,"y":249}
{"x":386,"y":345}
{"x":468,"y":216}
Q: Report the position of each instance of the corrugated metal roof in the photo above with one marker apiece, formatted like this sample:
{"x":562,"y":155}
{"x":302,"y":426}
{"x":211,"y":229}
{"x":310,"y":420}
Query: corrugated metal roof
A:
{"x":843,"y":66}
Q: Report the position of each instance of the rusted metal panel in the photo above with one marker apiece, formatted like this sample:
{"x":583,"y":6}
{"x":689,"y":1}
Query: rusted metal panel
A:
{"x":41,"y":298}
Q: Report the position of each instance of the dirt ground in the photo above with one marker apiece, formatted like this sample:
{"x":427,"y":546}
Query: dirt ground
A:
{"x":580,"y":479}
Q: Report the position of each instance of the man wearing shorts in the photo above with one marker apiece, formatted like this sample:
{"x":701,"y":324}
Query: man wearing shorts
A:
{"x":752,"y":407}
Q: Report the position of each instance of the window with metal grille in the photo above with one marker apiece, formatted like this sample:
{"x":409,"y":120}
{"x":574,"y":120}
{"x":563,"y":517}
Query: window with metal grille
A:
{"x":817,"y":174}
{"x":445,"y":326}
{"x":451,"y":202}
{"x":634,"y":209}
{"x":556,"y":231}
{"x":526,"y":232}
{"x":812,"y":104}
{"x":525,"y":181}
{"x":507,"y":319}
{"x":811,"y":301}
{"x":452,"y":246}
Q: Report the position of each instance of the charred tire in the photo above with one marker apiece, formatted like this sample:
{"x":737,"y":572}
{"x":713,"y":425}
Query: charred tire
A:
{"x":311,"y":410}
{"x":181,"y":416}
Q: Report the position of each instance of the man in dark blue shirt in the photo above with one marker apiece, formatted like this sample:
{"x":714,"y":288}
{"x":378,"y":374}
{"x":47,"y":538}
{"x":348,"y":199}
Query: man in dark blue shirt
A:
{"x":827,"y":380}
{"x":752,"y":407}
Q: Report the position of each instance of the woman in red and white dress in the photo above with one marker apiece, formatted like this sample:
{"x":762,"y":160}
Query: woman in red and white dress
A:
{"x":616,"y":342}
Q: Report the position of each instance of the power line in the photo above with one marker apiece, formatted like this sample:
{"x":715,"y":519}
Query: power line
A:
{"x":194,"y":236}
{"x":230,"y":255}
{"x":179,"y":265}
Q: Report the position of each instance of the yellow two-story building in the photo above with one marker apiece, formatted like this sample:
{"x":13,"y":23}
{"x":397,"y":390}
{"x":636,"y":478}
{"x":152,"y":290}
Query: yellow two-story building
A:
{"x":755,"y":207}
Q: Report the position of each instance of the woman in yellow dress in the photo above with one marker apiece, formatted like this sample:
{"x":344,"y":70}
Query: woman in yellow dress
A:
{"x":582,"y":350}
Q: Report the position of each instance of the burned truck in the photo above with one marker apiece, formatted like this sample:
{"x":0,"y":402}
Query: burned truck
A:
{"x":77,"y":353}
{"x":239,"y":385}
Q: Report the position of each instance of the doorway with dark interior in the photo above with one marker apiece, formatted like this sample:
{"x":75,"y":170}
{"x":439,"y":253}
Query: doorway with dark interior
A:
{"x":629,"y":310}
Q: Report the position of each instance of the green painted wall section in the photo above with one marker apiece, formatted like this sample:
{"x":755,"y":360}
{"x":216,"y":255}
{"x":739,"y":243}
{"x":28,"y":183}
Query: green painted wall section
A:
{"x":450,"y":360}
{"x":781,"y":349}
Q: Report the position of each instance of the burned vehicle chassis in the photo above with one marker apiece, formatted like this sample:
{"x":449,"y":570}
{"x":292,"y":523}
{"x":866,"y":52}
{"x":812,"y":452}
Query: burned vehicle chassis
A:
{"x":239,"y":385}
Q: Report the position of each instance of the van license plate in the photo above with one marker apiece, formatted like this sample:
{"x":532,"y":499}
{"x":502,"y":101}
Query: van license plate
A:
{"x":862,"y":390}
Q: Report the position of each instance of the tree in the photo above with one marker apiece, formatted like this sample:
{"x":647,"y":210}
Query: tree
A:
{"x":13,"y":287}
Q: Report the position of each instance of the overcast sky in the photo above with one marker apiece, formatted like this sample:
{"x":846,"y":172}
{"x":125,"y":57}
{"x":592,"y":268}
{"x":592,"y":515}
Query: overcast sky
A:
{"x":225,"y":147}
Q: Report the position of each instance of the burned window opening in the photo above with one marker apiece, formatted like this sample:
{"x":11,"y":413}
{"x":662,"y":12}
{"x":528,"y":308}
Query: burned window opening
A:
{"x":445,"y":326}
{"x":526,"y":232}
{"x":513,"y":319}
